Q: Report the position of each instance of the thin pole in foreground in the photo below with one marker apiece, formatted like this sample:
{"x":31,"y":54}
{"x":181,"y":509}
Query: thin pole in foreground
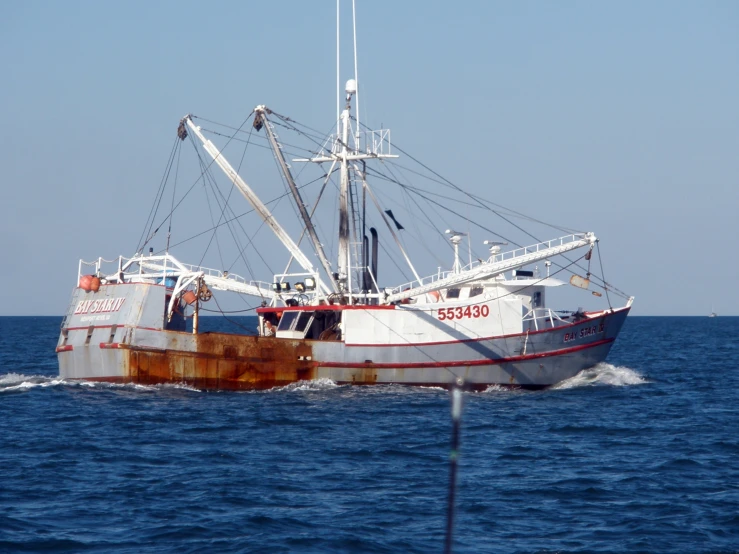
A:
{"x":456,"y":392}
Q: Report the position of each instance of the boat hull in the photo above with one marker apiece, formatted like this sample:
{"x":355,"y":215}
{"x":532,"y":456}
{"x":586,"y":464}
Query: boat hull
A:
{"x":131,"y":346}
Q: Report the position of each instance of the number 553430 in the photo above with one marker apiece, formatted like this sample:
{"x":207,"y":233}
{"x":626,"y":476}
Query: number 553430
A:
{"x":460,"y":313}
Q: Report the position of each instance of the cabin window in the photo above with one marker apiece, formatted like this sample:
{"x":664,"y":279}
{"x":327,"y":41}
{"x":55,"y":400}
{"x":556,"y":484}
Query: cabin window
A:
{"x":297,"y":321}
{"x":536,"y":300}
{"x":287,"y":320}
{"x":452,"y":293}
{"x":303,"y":321}
{"x":476,"y":291}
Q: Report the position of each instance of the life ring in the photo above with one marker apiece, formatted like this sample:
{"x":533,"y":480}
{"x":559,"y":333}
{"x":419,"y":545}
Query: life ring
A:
{"x":434,"y":296}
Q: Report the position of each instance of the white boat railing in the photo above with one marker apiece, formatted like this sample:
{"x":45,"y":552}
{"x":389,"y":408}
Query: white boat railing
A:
{"x":372,"y":142}
{"x":156,"y":267}
{"x":542,"y":314}
{"x":499,"y":257}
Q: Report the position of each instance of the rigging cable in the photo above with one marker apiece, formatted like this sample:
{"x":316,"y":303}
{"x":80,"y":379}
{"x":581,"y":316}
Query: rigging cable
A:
{"x":467,"y":219}
{"x":431,"y":223}
{"x":226,"y":203}
{"x":206,"y":182}
{"x":600,"y":260}
{"x":208,"y":175}
{"x":157,"y":200}
{"x":174,"y":191}
{"x":474,"y":197}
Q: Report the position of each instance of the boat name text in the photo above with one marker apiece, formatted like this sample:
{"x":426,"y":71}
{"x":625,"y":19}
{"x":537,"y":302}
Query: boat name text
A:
{"x":460,"y":312}
{"x":98,"y":306}
{"x":585,"y":332}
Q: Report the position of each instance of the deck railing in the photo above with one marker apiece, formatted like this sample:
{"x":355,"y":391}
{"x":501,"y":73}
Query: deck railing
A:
{"x":499,"y":257}
{"x":156,"y":267}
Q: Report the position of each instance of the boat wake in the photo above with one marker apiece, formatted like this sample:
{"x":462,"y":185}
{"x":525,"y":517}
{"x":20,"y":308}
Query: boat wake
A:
{"x":317,"y":385}
{"x":603,"y":374}
{"x":18,"y":382}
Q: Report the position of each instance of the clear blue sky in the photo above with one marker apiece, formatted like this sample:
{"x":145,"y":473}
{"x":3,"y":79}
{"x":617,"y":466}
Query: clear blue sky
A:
{"x":616,"y":117}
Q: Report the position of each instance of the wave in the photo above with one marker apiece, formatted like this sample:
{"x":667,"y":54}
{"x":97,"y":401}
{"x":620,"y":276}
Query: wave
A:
{"x":603,"y":374}
{"x":496,"y":388}
{"x":136,"y":386}
{"x":19,"y":382}
{"x":314,"y":385}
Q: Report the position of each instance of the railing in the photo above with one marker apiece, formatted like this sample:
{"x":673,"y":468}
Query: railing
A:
{"x":498,"y":257}
{"x":158,"y":267}
{"x":546,"y":314}
{"x":227,"y":275}
{"x":375,"y":143}
{"x":518,"y":252}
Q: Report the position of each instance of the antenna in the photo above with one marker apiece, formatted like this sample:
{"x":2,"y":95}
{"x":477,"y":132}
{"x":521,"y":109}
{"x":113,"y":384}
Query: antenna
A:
{"x":456,"y":238}
{"x":356,"y":75}
{"x":338,"y":69}
{"x":494,"y":247}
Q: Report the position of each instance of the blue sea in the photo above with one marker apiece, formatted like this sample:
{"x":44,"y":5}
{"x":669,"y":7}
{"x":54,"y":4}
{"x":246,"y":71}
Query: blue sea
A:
{"x":637,"y":455}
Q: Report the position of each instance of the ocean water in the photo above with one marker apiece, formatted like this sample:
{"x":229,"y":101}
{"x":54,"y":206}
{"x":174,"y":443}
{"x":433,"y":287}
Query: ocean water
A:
{"x":637,"y":455}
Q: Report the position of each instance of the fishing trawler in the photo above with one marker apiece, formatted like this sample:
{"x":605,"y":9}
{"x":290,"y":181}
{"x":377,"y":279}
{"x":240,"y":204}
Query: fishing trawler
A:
{"x":485,"y":320}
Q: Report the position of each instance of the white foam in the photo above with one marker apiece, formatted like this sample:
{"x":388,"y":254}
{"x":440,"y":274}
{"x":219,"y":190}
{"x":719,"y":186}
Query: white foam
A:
{"x":10,"y":378}
{"x":314,"y":385}
{"x":138,"y":386}
{"x":18,"y":381}
{"x":603,"y":374}
{"x":179,"y":386}
{"x":496,"y":388}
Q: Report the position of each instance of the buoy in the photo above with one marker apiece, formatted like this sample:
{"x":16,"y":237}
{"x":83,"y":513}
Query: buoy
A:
{"x":189,"y":297}
{"x":434,"y":296}
{"x":95,"y":284}
{"x":86,"y":283}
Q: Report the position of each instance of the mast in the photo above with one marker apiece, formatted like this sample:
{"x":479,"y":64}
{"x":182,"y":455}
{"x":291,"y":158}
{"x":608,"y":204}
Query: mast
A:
{"x":344,"y":255}
{"x":376,"y":147}
{"x":356,"y":71}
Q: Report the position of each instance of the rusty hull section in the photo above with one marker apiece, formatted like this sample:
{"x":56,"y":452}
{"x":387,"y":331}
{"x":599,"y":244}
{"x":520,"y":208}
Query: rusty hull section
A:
{"x":223,"y":361}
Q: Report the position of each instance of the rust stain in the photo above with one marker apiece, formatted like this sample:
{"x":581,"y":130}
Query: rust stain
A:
{"x":225,"y":361}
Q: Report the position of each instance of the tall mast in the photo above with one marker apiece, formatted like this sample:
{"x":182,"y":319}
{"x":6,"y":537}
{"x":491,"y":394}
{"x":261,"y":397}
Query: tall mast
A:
{"x":344,"y":260}
{"x":356,"y":71}
{"x":377,"y":146}
{"x":338,"y":73}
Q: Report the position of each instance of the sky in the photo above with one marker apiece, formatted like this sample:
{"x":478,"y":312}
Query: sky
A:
{"x":621,"y":118}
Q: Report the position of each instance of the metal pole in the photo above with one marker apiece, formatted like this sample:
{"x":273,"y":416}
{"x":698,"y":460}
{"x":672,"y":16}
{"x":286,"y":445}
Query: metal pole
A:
{"x":197,"y":309}
{"x":456,"y":392}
